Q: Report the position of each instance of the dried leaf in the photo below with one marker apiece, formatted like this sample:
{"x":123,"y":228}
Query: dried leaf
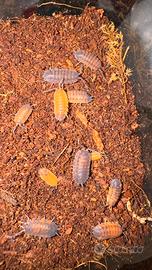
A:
{"x":97,"y":140}
{"x":82,"y":118}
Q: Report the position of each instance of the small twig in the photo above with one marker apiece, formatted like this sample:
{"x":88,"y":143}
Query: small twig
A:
{"x":124,"y":57}
{"x":59,"y":4}
{"x":88,"y":262}
{"x":60,"y":154}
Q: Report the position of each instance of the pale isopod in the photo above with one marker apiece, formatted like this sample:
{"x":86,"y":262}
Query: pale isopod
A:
{"x":61,"y":75}
{"x":60,"y":104}
{"x":114,"y":192}
{"x":107,"y":230}
{"x":39,"y":227}
{"x":88,"y":59}
{"x":22,"y":115}
{"x":81,"y":166}
{"x":75,"y":96}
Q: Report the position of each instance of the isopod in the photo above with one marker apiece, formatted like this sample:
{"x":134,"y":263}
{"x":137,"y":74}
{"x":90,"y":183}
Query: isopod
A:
{"x":61,"y":75}
{"x":39,"y":227}
{"x":81,"y":166}
{"x":22,"y":115}
{"x":114,"y":192}
{"x":88,"y":59}
{"x":60,"y":104}
{"x":47,"y":176}
{"x":75,"y":96}
{"x":107,"y":230}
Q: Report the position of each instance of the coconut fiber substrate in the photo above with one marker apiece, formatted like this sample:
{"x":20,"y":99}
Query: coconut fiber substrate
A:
{"x":106,"y":124}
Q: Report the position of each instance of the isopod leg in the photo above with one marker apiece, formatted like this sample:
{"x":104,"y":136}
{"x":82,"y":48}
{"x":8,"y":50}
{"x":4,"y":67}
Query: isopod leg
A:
{"x":50,"y":90}
{"x":23,"y":126}
{"x":85,"y":84}
{"x":15,"y":235}
{"x":61,"y":83}
{"x":13,"y":130}
{"x":81,"y":67}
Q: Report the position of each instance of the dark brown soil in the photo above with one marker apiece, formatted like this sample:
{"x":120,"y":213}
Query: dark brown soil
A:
{"x":27,"y":48}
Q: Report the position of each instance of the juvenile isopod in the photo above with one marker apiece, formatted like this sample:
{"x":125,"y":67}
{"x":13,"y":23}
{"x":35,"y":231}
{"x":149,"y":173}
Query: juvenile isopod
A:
{"x":95,"y":155}
{"x":47,"y":176}
{"x":22,"y":115}
{"x":88,"y":59}
{"x":81,"y":166}
{"x":39,"y":227}
{"x":62,"y":76}
{"x":114,"y":192}
{"x":107,"y":230}
{"x":75,"y":96}
{"x":60,"y":104}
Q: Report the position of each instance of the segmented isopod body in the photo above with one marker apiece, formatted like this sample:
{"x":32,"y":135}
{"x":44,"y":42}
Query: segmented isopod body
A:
{"x":114,"y":192}
{"x":81,"y":166}
{"x":88,"y":59}
{"x":60,"y":104}
{"x":22,"y":115}
{"x":107,"y":230}
{"x":61,"y":75}
{"x":75,"y":96}
{"x":40,"y":227}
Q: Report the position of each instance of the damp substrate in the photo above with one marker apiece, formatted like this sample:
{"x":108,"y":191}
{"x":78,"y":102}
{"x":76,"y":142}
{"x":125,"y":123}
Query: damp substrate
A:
{"x":28,"y":47}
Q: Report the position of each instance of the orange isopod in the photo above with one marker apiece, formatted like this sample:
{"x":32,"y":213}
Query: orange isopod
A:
{"x":22,"y":115}
{"x":38,"y":227}
{"x":114,"y":192}
{"x":47,"y":176}
{"x":107,"y":230}
{"x":75,"y":96}
{"x":60,"y":104}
